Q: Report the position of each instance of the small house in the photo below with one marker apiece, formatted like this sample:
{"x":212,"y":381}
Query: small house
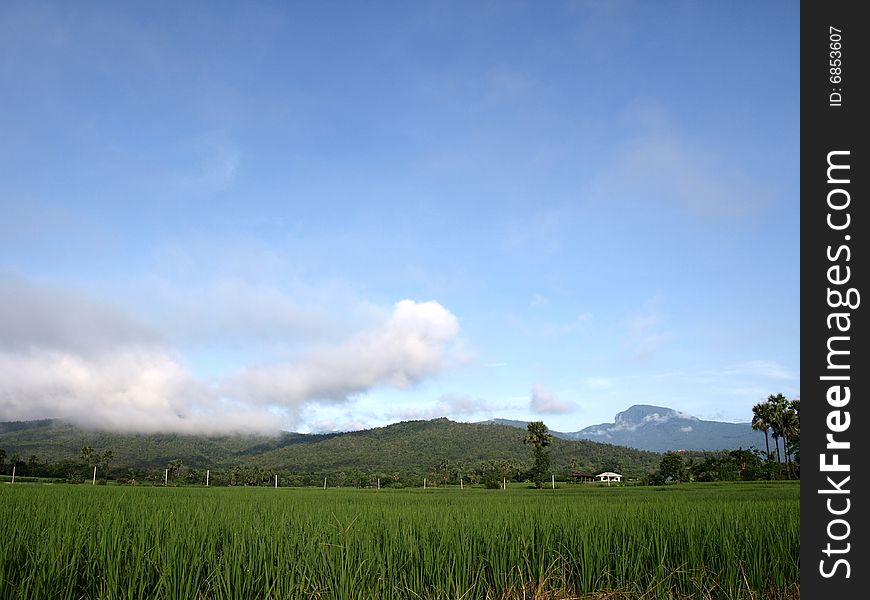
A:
{"x":609,"y":476}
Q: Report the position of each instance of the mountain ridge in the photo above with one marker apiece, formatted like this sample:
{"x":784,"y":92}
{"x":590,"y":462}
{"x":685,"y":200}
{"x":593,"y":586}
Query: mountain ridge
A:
{"x":660,"y":429}
{"x":408,"y":447}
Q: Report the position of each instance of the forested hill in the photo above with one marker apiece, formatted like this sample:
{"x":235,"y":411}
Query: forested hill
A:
{"x":407,"y":447}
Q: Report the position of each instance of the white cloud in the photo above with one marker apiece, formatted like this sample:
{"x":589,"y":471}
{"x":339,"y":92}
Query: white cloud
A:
{"x":63,"y":355}
{"x":135,"y":388}
{"x":411,"y":345}
{"x":546,"y":402}
{"x":39,"y":316}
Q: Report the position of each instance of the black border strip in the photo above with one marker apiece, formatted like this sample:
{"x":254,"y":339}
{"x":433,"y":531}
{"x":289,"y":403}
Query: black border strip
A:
{"x":835,"y":225}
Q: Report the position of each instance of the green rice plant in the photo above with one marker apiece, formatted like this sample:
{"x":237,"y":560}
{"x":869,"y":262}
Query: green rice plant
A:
{"x":736,"y":541}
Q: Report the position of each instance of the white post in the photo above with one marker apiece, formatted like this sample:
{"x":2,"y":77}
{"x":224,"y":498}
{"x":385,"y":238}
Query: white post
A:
{"x":379,"y":483}
{"x":554,"y":481}
{"x":424,"y":483}
{"x":13,"y":473}
{"x":95,"y":477}
{"x":166,"y":478}
{"x":324,"y":483}
{"x":460,"y":483}
{"x":206,"y":477}
{"x":504,"y":483}
{"x":276,"y":481}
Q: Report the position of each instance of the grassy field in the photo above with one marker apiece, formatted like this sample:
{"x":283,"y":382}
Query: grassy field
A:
{"x":692,"y":541}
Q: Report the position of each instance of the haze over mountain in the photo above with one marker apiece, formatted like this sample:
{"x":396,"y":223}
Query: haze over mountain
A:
{"x":659,"y":429}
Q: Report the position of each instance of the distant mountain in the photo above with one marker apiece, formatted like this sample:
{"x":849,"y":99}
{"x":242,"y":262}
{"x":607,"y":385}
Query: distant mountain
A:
{"x":410,"y":447}
{"x":659,"y":429}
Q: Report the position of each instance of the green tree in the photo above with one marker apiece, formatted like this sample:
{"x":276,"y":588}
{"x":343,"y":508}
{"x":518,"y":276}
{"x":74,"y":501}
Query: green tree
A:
{"x":789,"y":419}
{"x":105,"y":460}
{"x":88,"y":456}
{"x":672,"y":466}
{"x":539,"y":437}
{"x":444,"y":470}
{"x":785,"y":424}
{"x":761,"y":422}
{"x":795,"y":433}
{"x":776,"y":405}
{"x":175,"y":467}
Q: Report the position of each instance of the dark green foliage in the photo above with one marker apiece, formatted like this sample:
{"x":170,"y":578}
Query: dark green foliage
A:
{"x":539,"y":437}
{"x":673,"y":467}
{"x":780,"y":417}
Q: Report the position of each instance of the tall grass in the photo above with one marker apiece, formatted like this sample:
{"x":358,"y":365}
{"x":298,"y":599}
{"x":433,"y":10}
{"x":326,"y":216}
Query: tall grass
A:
{"x":731,"y":541}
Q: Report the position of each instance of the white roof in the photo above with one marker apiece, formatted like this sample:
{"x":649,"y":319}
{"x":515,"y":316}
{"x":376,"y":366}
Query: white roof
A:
{"x":608,"y":474}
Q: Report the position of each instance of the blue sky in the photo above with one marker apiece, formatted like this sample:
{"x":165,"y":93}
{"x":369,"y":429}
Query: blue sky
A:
{"x":338,"y":215}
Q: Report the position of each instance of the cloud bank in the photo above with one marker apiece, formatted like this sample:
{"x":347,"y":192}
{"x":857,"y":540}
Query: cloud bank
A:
{"x":65,"y":356}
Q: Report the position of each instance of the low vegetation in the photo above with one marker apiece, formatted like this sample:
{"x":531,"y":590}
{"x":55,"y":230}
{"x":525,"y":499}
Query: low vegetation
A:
{"x":732,"y":541}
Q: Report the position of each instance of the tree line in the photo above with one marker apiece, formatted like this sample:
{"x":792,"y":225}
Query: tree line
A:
{"x":780,"y":418}
{"x":777,"y":417}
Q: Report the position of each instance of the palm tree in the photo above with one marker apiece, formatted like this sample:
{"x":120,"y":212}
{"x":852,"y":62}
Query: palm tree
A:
{"x":791,"y":427}
{"x":87,"y":455}
{"x":761,"y":422}
{"x":776,"y":406}
{"x":785,"y":424}
{"x":539,"y":436}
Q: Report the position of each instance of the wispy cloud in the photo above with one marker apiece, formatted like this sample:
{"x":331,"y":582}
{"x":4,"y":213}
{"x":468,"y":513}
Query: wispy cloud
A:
{"x":663,"y":164}
{"x":547,"y":402}
{"x":538,"y":301}
{"x":217,"y":162}
{"x":597,"y":382}
{"x":644,"y":333}
{"x":448,"y":405}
